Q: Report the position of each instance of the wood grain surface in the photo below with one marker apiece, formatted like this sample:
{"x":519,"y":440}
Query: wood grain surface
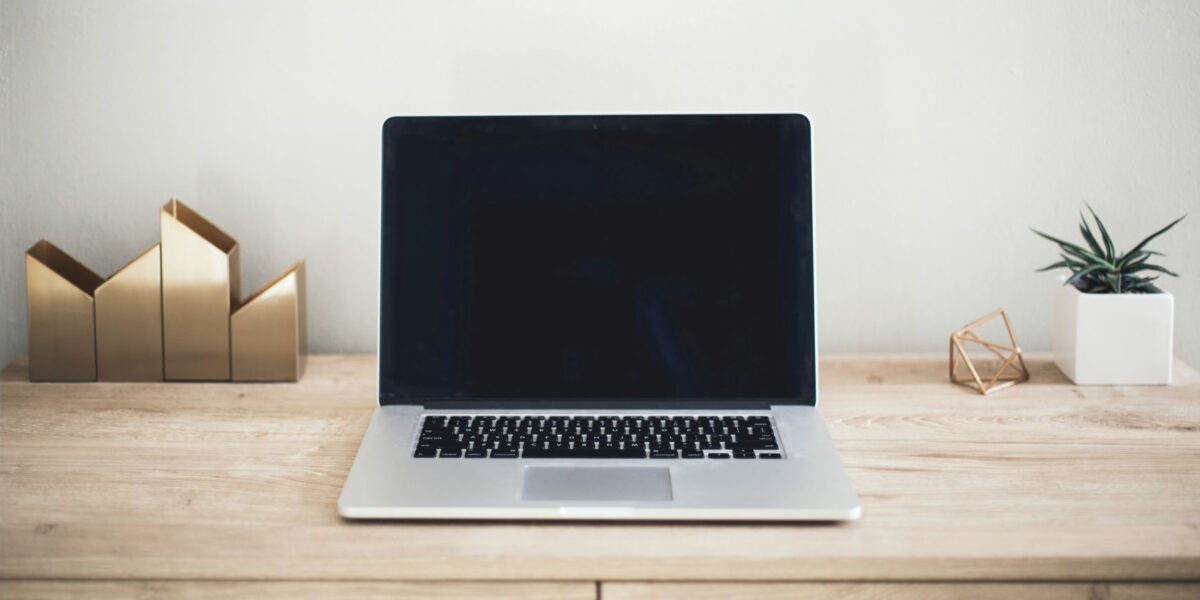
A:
{"x":1044,"y":481}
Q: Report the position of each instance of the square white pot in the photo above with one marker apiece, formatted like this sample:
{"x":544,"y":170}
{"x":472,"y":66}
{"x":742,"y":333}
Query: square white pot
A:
{"x":1113,"y":339}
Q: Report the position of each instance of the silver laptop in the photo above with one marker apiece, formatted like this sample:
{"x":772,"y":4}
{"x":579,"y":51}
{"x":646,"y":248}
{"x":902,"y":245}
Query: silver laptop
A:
{"x":597,"y":317}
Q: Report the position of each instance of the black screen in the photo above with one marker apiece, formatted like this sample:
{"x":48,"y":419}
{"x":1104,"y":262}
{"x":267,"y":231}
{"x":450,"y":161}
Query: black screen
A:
{"x":603,"y":260}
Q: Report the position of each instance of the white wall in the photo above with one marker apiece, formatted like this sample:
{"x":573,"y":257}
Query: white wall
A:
{"x":942,"y":130}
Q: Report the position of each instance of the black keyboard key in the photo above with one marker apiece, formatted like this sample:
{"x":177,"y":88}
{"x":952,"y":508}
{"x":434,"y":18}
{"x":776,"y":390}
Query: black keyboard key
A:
{"x":504,"y":453}
{"x":451,"y":453}
{"x":770,"y":455}
{"x":743,"y":454}
{"x":536,"y":452}
{"x":664,"y":454}
{"x":751,"y":445}
{"x":425,"y":452}
{"x":476,"y":453}
{"x":718,"y":455}
{"x":693,"y":454}
{"x":439,"y":437}
{"x":445,"y":445}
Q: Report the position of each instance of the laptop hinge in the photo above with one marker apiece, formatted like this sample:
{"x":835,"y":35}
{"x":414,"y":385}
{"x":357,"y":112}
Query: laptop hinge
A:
{"x":598,"y":404}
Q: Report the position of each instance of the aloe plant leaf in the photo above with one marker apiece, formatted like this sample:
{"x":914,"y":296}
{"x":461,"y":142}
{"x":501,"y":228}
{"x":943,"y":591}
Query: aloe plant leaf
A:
{"x":1128,"y":256}
{"x":1086,"y":257}
{"x":1110,"y":252}
{"x":1142,"y":284}
{"x":1062,"y":243}
{"x":1073,"y":263}
{"x":1148,"y":267}
{"x":1114,"y":282}
{"x":1073,"y":249}
{"x":1127,"y":267}
{"x":1132,"y":257}
{"x":1099,"y":284}
{"x":1087,"y":235}
{"x":1156,"y":234}
{"x":1057,"y":265}
{"x":1089,"y":269}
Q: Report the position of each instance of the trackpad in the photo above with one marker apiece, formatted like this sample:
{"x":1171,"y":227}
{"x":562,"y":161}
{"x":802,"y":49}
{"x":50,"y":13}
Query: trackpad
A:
{"x":597,"y":484}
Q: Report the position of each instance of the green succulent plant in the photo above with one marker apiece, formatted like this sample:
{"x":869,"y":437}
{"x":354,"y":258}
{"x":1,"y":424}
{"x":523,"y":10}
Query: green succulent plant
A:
{"x":1098,"y":269}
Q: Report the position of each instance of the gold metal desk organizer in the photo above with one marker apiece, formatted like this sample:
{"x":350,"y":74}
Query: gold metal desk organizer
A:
{"x":173,"y":313}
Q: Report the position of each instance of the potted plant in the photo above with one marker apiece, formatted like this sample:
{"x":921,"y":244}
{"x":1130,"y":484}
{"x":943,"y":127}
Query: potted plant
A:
{"x":1112,"y":324}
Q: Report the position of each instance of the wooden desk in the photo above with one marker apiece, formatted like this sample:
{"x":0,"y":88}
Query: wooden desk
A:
{"x":229,"y":490}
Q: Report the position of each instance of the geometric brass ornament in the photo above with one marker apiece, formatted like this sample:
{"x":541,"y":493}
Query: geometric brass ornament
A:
{"x":200,"y":288}
{"x":62,"y":318}
{"x":268,"y":330}
{"x":129,"y":342}
{"x":986,"y":376}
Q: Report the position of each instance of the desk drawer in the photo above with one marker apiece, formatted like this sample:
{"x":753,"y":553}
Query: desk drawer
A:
{"x":899,"y":591}
{"x":299,"y":590}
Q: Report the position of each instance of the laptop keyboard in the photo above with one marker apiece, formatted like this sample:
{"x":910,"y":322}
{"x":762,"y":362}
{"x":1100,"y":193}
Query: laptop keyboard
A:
{"x":629,"y":436}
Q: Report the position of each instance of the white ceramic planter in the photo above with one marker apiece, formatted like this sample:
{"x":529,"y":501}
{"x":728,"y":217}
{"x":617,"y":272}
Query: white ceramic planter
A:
{"x":1113,"y":339}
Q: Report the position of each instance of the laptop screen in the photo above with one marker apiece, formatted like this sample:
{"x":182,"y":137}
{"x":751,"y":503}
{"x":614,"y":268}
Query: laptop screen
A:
{"x":597,"y":261}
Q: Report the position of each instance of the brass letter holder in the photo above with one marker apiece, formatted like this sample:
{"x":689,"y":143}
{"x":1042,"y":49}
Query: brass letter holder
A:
{"x":268,"y":330}
{"x":62,"y":321}
{"x":172,"y":313}
{"x":199,"y":290}
{"x":129,"y":340}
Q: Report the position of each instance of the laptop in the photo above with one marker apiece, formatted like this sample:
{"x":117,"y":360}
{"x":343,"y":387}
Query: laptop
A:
{"x":597,"y":317}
